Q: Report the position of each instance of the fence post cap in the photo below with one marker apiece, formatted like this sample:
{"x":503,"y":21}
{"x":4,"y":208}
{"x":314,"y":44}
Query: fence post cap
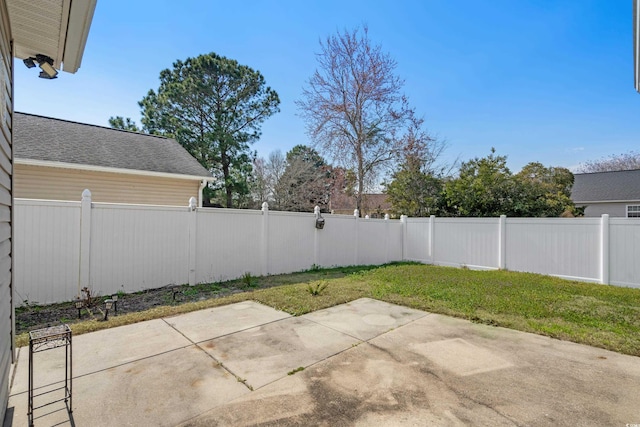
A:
{"x":265,"y":206}
{"x":193,"y":203}
{"x":86,"y":194}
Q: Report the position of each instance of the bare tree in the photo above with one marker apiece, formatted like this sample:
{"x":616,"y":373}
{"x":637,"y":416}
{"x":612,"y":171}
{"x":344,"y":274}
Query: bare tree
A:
{"x":620,"y":162}
{"x":353,"y":105}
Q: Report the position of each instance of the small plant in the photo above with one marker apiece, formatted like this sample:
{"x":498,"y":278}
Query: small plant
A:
{"x":248,"y":280}
{"x":190,"y":292}
{"x":315,"y":267}
{"x":317,"y":288}
{"x":299,"y":369}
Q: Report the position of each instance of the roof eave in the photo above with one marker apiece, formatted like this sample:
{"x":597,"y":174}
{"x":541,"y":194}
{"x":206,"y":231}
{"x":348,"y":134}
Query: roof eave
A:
{"x":57,"y":29}
{"x":80,"y":17}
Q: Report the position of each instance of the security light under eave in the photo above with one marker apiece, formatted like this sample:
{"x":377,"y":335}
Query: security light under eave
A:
{"x":30,"y":62}
{"x":48,"y":72}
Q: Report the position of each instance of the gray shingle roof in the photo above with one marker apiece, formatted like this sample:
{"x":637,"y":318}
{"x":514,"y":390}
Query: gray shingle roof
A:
{"x":603,"y":186}
{"x":44,"y":138}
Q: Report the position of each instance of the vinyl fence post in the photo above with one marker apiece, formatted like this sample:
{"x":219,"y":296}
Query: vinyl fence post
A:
{"x":356,"y":215}
{"x":432,"y":231}
{"x":604,"y":249}
{"x":265,"y":239}
{"x":193,"y":222}
{"x":316,"y":238}
{"x":502,"y":242}
{"x":85,"y":242}
{"x":386,"y":238}
{"x":403,"y":221}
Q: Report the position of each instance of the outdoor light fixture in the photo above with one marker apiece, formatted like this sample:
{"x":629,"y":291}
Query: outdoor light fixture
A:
{"x":30,"y":62}
{"x":46,"y":65}
{"x":108,"y":304}
{"x":115,"y":303}
{"x":319,"y":219}
{"x":79,"y":304}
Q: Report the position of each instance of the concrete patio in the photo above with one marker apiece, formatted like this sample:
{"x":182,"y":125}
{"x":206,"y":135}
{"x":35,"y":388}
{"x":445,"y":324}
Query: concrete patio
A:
{"x":365,"y":363}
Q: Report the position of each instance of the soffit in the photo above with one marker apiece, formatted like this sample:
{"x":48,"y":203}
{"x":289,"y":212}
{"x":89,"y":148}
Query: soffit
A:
{"x":56,"y":28}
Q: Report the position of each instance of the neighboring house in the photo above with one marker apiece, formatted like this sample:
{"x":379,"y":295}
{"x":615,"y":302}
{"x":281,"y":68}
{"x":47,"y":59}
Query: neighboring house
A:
{"x":57,"y":30}
{"x":374,"y":205}
{"x":614,"y":193}
{"x":57,"y":159}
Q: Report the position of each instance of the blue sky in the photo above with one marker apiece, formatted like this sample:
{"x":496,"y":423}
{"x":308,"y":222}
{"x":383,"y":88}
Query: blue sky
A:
{"x":547,"y":81}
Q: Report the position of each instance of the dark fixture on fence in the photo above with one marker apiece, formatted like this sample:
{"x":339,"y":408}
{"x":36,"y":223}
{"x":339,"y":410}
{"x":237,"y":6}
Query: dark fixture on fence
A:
{"x":319,"y":219}
{"x":108,"y":304}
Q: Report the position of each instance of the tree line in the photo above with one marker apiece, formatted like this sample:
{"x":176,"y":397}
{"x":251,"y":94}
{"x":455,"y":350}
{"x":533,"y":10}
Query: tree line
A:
{"x":357,"y":116}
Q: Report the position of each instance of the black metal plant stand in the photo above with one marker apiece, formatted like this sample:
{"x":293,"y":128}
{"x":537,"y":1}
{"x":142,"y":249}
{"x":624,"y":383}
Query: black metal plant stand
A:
{"x":48,"y":339}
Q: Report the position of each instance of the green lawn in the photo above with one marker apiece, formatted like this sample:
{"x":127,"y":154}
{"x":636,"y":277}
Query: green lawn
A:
{"x":598,"y":315}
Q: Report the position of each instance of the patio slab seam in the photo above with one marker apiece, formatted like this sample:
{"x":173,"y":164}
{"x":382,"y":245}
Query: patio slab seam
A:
{"x":222,"y":335}
{"x":104,"y":369}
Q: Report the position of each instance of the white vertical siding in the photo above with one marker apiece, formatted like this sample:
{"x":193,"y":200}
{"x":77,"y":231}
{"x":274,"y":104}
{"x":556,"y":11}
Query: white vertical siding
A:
{"x":138,"y":247}
{"x":291,"y":241}
{"x":47,"y":248}
{"x":228,"y":244}
{"x":624,"y":252}
{"x":466,"y":241}
{"x":563,"y":247}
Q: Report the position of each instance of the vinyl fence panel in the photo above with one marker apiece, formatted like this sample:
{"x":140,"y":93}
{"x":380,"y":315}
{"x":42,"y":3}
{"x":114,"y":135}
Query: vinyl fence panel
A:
{"x":61,"y":246}
{"x":566,"y":247}
{"x":372,"y":241}
{"x":472,"y":242}
{"x":337,"y":241}
{"x":624,"y":253}
{"x":417,"y":244}
{"x":136,"y":247}
{"x":291,"y":241}
{"x":228,"y":244}
{"x":47,"y":250}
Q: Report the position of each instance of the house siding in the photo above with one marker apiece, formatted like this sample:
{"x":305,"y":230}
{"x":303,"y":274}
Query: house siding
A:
{"x":41,"y":182}
{"x":6,"y":170}
{"x":616,"y":210}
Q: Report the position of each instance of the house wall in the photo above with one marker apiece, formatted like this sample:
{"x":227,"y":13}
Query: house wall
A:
{"x":616,"y":210}
{"x":6,"y":160}
{"x":41,"y":182}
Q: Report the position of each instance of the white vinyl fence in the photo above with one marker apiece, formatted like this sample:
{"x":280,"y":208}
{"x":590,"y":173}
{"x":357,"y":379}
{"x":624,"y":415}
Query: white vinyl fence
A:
{"x":61,"y":247}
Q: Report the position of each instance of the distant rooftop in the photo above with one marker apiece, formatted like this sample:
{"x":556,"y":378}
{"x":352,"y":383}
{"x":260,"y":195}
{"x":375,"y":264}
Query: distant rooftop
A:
{"x":48,"y":139}
{"x":606,"y":186}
